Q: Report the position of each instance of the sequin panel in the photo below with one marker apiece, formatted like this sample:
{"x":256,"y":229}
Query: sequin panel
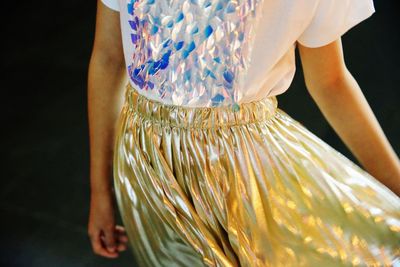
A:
{"x":191,"y":52}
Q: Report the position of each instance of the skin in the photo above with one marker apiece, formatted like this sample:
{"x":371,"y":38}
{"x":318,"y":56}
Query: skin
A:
{"x":341,"y":101}
{"x":106,"y":79}
{"x":327,"y":79}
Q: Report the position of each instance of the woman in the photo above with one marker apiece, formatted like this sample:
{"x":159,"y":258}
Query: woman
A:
{"x":208,"y":171}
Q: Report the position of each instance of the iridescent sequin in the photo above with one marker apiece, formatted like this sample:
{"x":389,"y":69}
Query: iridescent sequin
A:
{"x":191,"y":52}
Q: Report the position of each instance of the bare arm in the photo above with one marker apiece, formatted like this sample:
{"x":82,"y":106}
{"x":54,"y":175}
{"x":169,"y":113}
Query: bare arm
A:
{"x":341,"y":101}
{"x":106,"y":77}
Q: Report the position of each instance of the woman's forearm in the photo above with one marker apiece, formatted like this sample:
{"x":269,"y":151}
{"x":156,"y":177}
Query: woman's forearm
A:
{"x":106,"y":79}
{"x":344,"y":106}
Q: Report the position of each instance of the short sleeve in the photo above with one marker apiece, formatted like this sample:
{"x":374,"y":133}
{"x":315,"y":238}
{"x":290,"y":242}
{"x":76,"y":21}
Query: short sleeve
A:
{"x":113,"y":4}
{"x":333,"y":18}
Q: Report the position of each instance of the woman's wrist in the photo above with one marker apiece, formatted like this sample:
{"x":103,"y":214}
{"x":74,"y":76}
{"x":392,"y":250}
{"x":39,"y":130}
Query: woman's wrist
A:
{"x":101,"y":183}
{"x":101,"y":189}
{"x":101,"y":176}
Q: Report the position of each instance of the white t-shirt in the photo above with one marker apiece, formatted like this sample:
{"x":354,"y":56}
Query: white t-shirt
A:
{"x":217,"y":52}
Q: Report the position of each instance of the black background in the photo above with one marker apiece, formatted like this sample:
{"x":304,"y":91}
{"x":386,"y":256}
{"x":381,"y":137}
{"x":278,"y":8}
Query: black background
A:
{"x":44,"y":192}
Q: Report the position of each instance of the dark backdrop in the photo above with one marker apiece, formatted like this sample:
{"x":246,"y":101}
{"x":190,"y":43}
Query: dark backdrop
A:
{"x":44,"y":192}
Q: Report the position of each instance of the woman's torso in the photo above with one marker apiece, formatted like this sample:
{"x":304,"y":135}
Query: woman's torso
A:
{"x":204,"y":53}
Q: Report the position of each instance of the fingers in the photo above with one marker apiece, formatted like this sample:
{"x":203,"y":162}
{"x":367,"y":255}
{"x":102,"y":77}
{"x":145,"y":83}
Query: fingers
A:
{"x":109,"y":237}
{"x":120,"y":229}
{"x":121,"y":233}
{"x":122,"y":238}
{"x":98,"y":248}
{"x":121,"y":247}
{"x":109,"y":243}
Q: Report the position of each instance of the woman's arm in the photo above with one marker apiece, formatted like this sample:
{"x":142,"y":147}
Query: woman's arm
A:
{"x":106,"y":79}
{"x":343,"y":104}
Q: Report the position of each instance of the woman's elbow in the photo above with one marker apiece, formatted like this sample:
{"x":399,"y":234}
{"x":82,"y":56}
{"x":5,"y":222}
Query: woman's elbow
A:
{"x":323,"y":67}
{"x":105,"y":58}
{"x":332,"y":81}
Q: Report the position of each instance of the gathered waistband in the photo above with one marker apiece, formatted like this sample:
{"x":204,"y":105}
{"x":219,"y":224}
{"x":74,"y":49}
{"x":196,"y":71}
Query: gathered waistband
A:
{"x":200,"y":117}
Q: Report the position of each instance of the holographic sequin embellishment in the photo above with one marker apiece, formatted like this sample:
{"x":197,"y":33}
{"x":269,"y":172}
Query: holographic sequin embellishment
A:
{"x":191,"y":52}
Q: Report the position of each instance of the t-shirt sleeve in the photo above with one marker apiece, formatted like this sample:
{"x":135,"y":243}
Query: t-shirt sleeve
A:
{"x":333,"y":18}
{"x":113,"y":4}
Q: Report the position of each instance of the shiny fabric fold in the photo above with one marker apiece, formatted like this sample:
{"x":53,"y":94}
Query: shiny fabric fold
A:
{"x":244,"y":185}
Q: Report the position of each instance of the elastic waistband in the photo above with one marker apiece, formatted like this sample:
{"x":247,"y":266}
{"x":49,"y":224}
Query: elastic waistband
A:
{"x":200,"y":117}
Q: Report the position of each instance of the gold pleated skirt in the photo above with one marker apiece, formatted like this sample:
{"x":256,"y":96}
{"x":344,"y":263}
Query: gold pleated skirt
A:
{"x":250,"y":186}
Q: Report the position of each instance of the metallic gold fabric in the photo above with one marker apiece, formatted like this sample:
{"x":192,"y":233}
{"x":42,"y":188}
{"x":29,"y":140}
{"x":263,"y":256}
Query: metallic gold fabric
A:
{"x":245,"y":186}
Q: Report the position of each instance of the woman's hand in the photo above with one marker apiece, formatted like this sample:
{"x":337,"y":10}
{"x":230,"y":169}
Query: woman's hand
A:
{"x":107,"y":238}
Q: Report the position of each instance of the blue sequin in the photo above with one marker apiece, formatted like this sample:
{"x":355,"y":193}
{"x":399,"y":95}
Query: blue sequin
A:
{"x":217,"y":98}
{"x":136,"y":71}
{"x":189,"y":49}
{"x":165,"y":60}
{"x":212,"y":75}
{"x":208,"y":30}
{"x":133,"y":25}
{"x":134,"y":38}
{"x":130,"y":8}
{"x":180,"y":17}
{"x":179,"y":45}
{"x":206,"y":72}
{"x":138,"y":80}
{"x":228,"y":76}
{"x":150,"y":84}
{"x":153,"y":30}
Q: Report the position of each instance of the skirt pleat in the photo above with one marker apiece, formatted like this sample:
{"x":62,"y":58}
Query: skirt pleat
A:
{"x":244,"y":187}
